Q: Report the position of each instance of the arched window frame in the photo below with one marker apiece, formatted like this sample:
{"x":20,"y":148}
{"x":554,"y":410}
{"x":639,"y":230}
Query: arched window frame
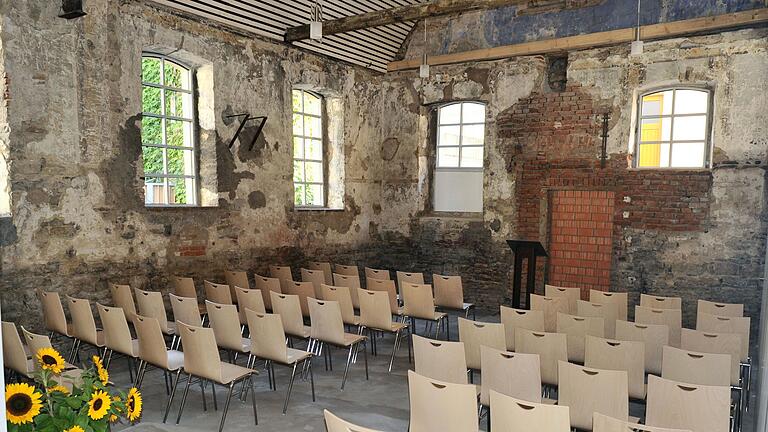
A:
{"x":461,"y":124}
{"x":300,"y":183}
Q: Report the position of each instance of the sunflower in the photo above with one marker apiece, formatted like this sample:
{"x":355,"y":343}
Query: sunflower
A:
{"x":51,"y":360}
{"x":58,"y":388}
{"x":99,"y":404}
{"x":133,"y":404}
{"x":74,"y":429}
{"x":113,"y":418}
{"x":97,"y":362}
{"x":22,"y":403}
{"x":103,"y":376}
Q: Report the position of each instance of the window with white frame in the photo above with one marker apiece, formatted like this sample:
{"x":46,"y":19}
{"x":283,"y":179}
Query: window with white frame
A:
{"x":674,"y":129}
{"x":167,"y":132}
{"x":308,"y":150}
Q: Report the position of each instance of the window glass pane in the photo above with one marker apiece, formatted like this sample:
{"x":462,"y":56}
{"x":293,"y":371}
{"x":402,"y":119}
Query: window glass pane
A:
{"x":150,"y":100}
{"x":179,"y":191}
{"x":657,"y":103}
{"x":448,"y":157}
{"x":298,"y":194}
{"x":473,"y":135}
{"x":691,"y":102}
{"x":655,"y":129}
{"x":314,"y":195}
{"x":298,"y":124}
{"x":153,"y":160}
{"x":449,"y":136}
{"x":450,"y":114}
{"x":314,"y":149}
{"x":688,"y":155}
{"x":178,"y":133}
{"x":314,"y":172}
{"x":176,"y":76}
{"x":298,"y":148}
{"x":690,"y":128}
{"x":312,"y":104}
{"x":296,"y":95}
{"x":180,"y":161}
{"x":178,"y":104}
{"x":151,"y":130}
{"x":313,"y":127}
{"x":150,"y":70}
{"x":473,"y":113}
{"x":472,"y":157}
{"x":664,"y":155}
{"x":154,"y":191}
{"x":298,"y":171}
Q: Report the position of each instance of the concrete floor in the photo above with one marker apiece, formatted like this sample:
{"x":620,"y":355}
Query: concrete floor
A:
{"x":379,"y":403}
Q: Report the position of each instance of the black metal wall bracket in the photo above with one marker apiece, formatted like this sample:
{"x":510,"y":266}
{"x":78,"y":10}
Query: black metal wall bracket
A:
{"x":604,"y":152}
{"x":246,"y":118}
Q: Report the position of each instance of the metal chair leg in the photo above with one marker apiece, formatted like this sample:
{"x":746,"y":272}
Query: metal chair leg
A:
{"x":213,"y":391}
{"x":311,"y":378}
{"x":290,"y":387}
{"x":253,"y":400}
{"x":140,"y":374}
{"x":202,"y":393}
{"x":226,"y":405}
{"x":184,"y":398}
{"x":346,"y":368}
{"x":394,"y":349}
{"x":365,"y":357}
{"x":173,"y":393}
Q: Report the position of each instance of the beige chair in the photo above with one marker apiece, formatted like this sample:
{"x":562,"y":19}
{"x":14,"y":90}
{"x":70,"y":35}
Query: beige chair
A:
{"x":317,"y":278}
{"x":287,"y":306}
{"x":217,"y":293}
{"x":283,"y":273}
{"x":236,"y":278}
{"x":343,"y":297}
{"x":672,"y":318}
{"x":576,"y":329}
{"x":551,"y":306}
{"x":304,"y":290}
{"x":606,"y":311}
{"x":403,"y":277}
{"x":71,"y":376}
{"x":551,"y":348}
{"x":83,"y":327}
{"x":183,"y":286}
{"x":720,"y":309}
{"x":659,"y":302}
{"x":54,"y":319}
{"x":697,"y":408}
{"x":122,"y":297}
{"x":715,"y":343}
{"x":346,"y":270}
{"x":117,"y":336}
{"x":186,"y":310}
{"x":572,"y":294}
{"x":336,"y":424}
{"x":603,"y":423}
{"x":248,"y":299}
{"x":653,"y":336}
{"x":440,"y":360}
{"x":375,"y":315}
{"x":328,"y":329}
{"x":513,"y":414}
{"x":379,"y":274}
{"x":419,"y":304}
{"x":586,"y":391}
{"x":151,"y":305}
{"x":267,"y":285}
{"x":619,"y":299}
{"x":611,"y":354}
{"x":14,"y":354}
{"x":476,"y":334}
{"x":520,"y":318}
{"x":350,"y":281}
{"x":201,"y":360}
{"x":722,"y":324}
{"x":695,"y":367}
{"x":513,"y":374}
{"x":268,"y":343}
{"x":325,"y":267}
{"x":225,"y":323}
{"x":449,"y":294}
{"x":441,"y":406}
{"x":152,"y":352}
{"x":388,"y":286}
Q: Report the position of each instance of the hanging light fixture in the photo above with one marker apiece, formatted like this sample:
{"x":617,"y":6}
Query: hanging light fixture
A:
{"x":316,"y":23}
{"x":637,"y":45}
{"x":424,"y":68}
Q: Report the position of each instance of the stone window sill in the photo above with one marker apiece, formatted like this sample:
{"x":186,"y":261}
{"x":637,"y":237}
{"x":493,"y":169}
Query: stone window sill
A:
{"x":468,"y":217}
{"x":317,"y":209}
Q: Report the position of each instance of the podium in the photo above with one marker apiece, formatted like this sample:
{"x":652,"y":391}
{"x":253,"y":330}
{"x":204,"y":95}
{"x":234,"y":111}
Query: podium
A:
{"x":525,"y":249}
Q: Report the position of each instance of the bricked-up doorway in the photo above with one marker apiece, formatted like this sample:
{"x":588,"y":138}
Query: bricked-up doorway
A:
{"x":581,"y":228}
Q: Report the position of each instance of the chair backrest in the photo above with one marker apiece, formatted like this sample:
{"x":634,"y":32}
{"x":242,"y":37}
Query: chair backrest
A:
{"x":576,"y":329}
{"x":550,"y":306}
{"x":476,"y":334}
{"x":83,"y":324}
{"x":603,"y":423}
{"x":586,"y":390}
{"x":151,"y":342}
{"x":441,"y":360}
{"x":350,"y":281}
{"x":721,"y":309}
{"x":374,"y":309}
{"x":14,"y":356}
{"x":672,"y":318}
{"x":659,"y":302}
{"x":441,"y":406}
{"x":151,"y":305}
{"x":520,"y":318}
{"x":184,"y":286}
{"x":336,"y":424}
{"x":716,"y":343}
{"x":380,"y":274}
{"x":249,"y":299}
{"x":386,"y":285}
{"x":653,"y":336}
{"x":325,"y":267}
{"x":606,"y":311}
{"x":283,"y":273}
{"x":513,"y":374}
{"x":551,"y":348}
{"x":225,"y":324}
{"x":418,"y":301}
{"x":53,"y":312}
{"x":327,"y":324}
{"x":696,"y":367}
{"x":611,"y":354}
{"x":403,"y":277}
{"x":236,"y":278}
{"x":117,"y":335}
{"x":572,"y":294}
{"x":267,"y":336}
{"x":343,"y":297}
{"x":514,"y":414}
{"x":449,"y":292}
{"x":217,"y":293}
{"x":618,"y":299}
{"x":186,"y":310}
{"x":303,"y":290}
{"x":697,"y":408}
{"x":35,"y":342}
{"x":267,"y":285}
{"x":317,"y":278}
{"x":289,"y":309}
{"x":201,"y":354}
{"x":722,"y":324}
{"x":122,"y":297}
{"x":347,"y":270}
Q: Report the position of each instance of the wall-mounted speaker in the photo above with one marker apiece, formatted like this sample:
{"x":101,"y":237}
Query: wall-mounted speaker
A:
{"x":71,"y":9}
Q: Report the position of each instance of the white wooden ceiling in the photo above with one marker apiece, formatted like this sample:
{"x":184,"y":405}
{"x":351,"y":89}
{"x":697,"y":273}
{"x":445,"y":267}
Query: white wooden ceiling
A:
{"x":372,"y":48}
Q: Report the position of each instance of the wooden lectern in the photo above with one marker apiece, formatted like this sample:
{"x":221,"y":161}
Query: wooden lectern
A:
{"x":525,"y":249}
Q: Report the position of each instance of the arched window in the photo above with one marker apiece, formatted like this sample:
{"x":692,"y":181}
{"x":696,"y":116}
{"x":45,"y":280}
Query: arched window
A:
{"x":674,"y":129}
{"x":167,"y":132}
{"x":308,"y":150}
